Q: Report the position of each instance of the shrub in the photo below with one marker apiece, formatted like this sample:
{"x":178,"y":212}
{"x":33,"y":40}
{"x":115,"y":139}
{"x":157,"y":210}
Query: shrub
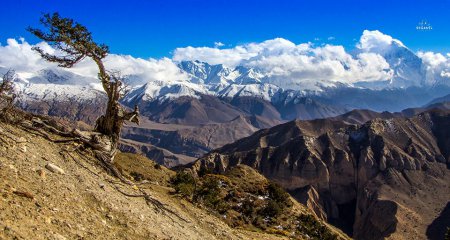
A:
{"x":208,"y":192}
{"x":277,"y":194}
{"x":309,"y":225}
{"x":272,"y":209}
{"x":259,"y":222}
{"x":184,"y":183}
{"x":203,"y":171}
{"x":278,"y":201}
{"x":247,"y":208}
{"x":137,"y":176}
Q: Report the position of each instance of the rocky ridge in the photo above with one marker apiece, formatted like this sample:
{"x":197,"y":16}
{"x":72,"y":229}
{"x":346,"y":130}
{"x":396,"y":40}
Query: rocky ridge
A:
{"x":384,"y":178}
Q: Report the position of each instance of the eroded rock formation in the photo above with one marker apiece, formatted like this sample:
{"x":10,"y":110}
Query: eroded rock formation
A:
{"x":384,"y":178}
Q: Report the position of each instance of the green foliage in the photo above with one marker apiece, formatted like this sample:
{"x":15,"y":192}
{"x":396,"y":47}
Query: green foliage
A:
{"x":447,"y":234}
{"x":273,"y":209}
{"x":265,"y":206}
{"x":203,"y":171}
{"x":209,"y":193}
{"x":184,"y":184}
{"x":277,"y":194}
{"x":69,"y":37}
{"x":248,"y":208}
{"x":278,"y":201}
{"x":309,"y":225}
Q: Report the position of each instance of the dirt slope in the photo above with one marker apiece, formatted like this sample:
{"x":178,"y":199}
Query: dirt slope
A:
{"x":84,"y":203}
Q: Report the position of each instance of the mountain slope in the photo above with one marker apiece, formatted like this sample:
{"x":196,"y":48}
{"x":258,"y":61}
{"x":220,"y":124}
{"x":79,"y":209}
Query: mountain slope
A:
{"x":372,"y":180}
{"x":57,"y":190}
{"x":49,"y":191}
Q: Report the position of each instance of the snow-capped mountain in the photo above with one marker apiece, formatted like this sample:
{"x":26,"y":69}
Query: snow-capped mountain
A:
{"x":56,"y":84}
{"x":380,"y":74}
{"x":407,"y":68}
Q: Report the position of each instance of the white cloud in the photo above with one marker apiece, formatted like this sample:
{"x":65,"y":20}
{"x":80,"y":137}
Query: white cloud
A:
{"x":19,"y":56}
{"x":433,"y":59}
{"x":445,"y":74}
{"x":437,"y":66}
{"x":218,"y":44}
{"x":376,"y":41}
{"x":279,"y":60}
{"x":331,"y":38}
{"x":289,"y":64}
{"x":233,"y":56}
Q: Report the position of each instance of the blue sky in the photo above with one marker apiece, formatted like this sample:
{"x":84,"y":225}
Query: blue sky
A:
{"x":155,"y":28}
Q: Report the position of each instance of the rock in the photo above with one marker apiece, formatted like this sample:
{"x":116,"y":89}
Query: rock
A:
{"x":21,"y":140}
{"x":23,"y":149}
{"x":41,"y":173}
{"x":59,"y":236}
{"x":13,"y":168}
{"x":109,"y":216}
{"x":53,"y":168}
{"x":356,"y":175}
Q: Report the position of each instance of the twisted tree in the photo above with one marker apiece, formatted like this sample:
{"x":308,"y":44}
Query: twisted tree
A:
{"x":73,"y":43}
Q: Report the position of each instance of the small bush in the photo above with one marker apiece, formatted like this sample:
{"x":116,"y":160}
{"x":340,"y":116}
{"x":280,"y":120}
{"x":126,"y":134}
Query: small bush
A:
{"x":184,"y":184}
{"x":137,"y":176}
{"x":259,"y":222}
{"x":273,"y":209}
{"x":208,"y":192}
{"x":247,"y":208}
{"x":203,"y":171}
{"x":309,"y":225}
{"x":277,"y":194}
{"x":278,"y":201}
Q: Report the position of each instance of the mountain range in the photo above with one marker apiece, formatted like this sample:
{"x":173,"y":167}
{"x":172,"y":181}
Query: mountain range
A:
{"x":182,"y":116}
{"x":404,"y":79}
{"x":348,"y":149}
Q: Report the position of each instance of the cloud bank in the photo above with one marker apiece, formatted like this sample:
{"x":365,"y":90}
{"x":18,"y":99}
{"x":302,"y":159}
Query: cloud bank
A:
{"x":279,"y":60}
{"x":19,"y":56}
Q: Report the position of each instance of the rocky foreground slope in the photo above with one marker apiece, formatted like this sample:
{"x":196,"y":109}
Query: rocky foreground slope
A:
{"x":58,"y":190}
{"x":387,"y":178}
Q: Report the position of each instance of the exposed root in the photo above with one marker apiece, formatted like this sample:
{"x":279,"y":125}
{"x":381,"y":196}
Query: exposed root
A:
{"x":65,"y":152}
{"x":159,"y":206}
{"x":101,"y":149}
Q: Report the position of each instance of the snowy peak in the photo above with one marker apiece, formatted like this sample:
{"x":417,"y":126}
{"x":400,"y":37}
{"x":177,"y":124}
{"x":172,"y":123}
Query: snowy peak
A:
{"x":408,"y":69}
{"x":248,"y":76}
{"x":265,"y":70}
{"x":205,"y":73}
